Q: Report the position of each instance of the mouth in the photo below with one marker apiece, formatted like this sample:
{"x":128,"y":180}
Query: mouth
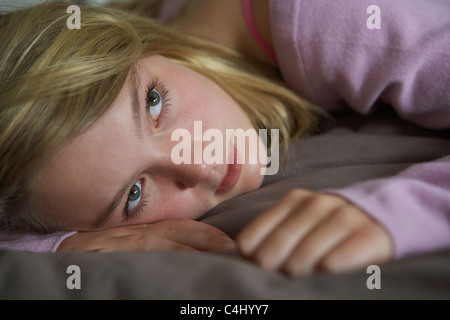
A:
{"x":232,"y":175}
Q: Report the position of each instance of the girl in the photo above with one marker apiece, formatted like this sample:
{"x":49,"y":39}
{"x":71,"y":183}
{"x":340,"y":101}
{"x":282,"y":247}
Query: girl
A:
{"x":87,"y":117}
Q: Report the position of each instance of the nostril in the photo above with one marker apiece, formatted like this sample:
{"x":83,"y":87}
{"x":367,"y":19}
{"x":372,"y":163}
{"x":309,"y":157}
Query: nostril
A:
{"x":190,"y":175}
{"x":181,"y":185}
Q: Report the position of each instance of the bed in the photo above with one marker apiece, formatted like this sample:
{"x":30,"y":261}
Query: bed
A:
{"x":356,"y":149}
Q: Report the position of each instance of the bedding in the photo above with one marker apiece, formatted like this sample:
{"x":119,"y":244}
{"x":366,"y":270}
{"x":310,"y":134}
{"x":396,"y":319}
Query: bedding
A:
{"x":358,"y":148}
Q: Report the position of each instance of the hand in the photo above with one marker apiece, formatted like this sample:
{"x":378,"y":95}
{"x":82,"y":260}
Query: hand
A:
{"x":175,"y":234}
{"x":308,"y":232}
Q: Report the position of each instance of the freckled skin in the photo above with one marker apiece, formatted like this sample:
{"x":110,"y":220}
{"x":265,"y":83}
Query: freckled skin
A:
{"x":84,"y":176}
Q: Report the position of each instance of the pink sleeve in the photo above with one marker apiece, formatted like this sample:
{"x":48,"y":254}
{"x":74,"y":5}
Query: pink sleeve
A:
{"x":413,"y":206}
{"x":33,"y":242}
{"x":329,"y":55}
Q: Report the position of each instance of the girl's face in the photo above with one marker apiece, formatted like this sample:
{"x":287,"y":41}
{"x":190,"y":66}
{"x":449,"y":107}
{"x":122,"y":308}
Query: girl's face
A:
{"x":122,"y":171}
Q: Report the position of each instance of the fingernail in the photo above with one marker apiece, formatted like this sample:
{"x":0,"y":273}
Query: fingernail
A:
{"x":229,"y":243}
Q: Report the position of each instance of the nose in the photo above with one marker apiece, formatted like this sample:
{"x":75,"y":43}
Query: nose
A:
{"x":190,"y":175}
{"x":187,"y":174}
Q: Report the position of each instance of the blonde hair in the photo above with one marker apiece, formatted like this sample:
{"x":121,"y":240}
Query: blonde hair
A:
{"x":57,"y":82}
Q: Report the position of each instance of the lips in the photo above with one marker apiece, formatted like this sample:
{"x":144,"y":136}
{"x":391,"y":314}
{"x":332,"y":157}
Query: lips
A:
{"x":232,"y":175}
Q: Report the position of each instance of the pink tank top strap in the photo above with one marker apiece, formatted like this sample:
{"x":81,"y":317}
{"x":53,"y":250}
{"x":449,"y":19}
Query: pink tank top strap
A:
{"x":254,"y":31}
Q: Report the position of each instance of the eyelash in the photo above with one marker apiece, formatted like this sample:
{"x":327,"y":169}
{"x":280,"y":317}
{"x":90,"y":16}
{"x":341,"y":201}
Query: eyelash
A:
{"x":136,"y":212}
{"x":159,"y":86}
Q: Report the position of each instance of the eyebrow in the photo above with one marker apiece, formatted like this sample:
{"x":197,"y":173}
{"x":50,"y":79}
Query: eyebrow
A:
{"x":135,"y":76}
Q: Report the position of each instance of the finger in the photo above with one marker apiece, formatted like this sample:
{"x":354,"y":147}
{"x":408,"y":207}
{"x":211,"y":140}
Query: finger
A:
{"x":323,"y":238}
{"x":278,"y":245}
{"x":205,"y":240}
{"x":369,"y":245}
{"x":195,"y":234}
{"x":253,"y":234}
{"x":141,"y":243}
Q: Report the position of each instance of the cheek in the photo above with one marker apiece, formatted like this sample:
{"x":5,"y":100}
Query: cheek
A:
{"x":202,"y":100}
{"x":195,"y":104}
{"x":252,"y":178}
{"x":188,"y":205}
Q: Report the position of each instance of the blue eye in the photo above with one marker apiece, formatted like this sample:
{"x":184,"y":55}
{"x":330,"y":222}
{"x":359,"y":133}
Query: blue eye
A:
{"x":154,"y":104}
{"x":134,"y":197}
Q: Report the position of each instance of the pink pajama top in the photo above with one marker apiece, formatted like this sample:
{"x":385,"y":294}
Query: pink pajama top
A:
{"x":346,"y":54}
